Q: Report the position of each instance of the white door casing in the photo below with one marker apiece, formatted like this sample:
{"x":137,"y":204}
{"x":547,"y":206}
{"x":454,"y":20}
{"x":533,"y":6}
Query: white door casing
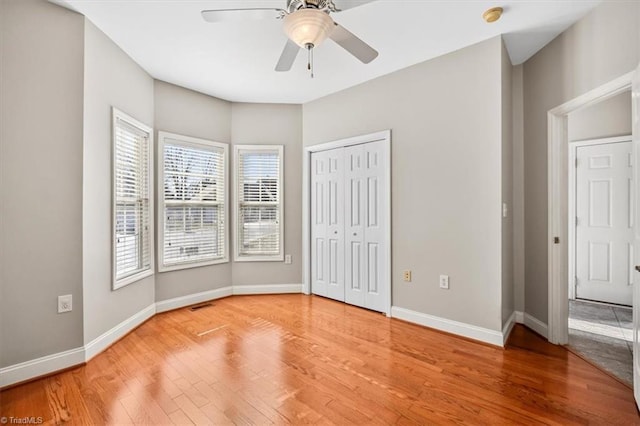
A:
{"x":604,"y":222}
{"x":635,"y":118}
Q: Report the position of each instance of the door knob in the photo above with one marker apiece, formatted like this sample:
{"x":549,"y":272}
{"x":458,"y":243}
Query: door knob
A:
{"x":355,"y":234}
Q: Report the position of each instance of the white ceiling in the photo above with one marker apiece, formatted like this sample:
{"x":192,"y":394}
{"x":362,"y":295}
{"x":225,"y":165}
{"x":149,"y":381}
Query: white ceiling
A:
{"x":236,"y":60}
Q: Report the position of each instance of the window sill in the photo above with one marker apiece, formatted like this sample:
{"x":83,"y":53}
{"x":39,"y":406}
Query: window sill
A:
{"x":180,"y":266}
{"x":123,"y":282}
{"x":276,"y":258}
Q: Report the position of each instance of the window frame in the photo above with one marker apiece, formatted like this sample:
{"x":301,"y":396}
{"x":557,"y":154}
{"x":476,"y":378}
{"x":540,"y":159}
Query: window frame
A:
{"x":237,"y":257}
{"x":196,"y":143}
{"x":116,"y":115}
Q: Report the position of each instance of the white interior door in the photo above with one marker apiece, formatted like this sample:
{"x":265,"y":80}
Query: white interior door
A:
{"x":335,"y":224}
{"x":355,"y":208}
{"x":375,"y":233}
{"x":319,"y":223}
{"x":635,"y":99}
{"x":327,"y":224}
{"x":604,"y":228}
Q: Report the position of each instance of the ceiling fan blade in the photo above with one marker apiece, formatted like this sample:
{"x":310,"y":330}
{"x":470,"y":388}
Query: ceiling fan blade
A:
{"x":235,"y":15}
{"x":289,"y":54}
{"x":352,"y":44}
{"x":350,"y":4}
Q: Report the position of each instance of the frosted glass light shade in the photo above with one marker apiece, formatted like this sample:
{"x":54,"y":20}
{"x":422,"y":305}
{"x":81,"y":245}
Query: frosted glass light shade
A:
{"x":308,"y":26}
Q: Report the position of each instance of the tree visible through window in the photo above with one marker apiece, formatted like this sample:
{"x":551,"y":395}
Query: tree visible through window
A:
{"x":259,"y":202}
{"x":194,"y":201}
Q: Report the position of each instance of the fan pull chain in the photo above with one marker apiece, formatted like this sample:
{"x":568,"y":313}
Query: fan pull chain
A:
{"x":310,"y":58}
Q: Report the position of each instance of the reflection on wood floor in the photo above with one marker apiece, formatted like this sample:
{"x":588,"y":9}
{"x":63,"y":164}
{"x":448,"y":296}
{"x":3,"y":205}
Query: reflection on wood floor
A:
{"x":304,"y":359}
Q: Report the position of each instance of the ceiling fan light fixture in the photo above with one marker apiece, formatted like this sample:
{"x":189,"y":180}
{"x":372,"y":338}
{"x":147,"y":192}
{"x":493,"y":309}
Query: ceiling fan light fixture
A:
{"x":308,"y":27}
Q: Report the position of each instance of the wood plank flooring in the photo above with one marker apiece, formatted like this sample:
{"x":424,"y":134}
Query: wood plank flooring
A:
{"x":304,"y":359}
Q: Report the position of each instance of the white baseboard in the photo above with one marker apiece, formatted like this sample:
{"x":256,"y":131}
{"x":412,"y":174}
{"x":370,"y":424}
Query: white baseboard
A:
{"x":519,"y":317}
{"x":108,"y":338}
{"x":267,"y":289}
{"x":508,"y":327}
{"x":40,"y":366}
{"x":486,"y":335}
{"x":536,"y":325}
{"x":192,"y":299}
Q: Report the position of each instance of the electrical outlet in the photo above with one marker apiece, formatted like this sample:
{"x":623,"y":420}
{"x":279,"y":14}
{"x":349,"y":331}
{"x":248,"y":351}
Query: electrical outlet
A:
{"x":65,"y":303}
{"x":444,"y":282}
{"x":287,"y":259}
{"x":407,"y":276}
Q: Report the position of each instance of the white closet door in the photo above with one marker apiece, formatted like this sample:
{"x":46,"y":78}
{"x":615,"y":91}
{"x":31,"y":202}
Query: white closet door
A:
{"x":335,"y":224}
{"x":319,"y":171}
{"x":355,"y":212}
{"x":375,"y":232}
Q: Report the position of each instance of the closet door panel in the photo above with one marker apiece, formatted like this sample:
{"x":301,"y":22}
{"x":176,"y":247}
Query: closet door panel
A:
{"x":319,"y":248}
{"x":335,"y":224}
{"x":355,"y":203}
{"x":375,"y":176}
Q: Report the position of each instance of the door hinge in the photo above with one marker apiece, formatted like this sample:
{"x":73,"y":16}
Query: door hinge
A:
{"x":576,"y":281}
{"x":556,"y":240}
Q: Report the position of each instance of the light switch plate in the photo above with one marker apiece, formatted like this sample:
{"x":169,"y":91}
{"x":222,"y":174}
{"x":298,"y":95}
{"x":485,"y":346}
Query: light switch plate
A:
{"x":444,"y":282}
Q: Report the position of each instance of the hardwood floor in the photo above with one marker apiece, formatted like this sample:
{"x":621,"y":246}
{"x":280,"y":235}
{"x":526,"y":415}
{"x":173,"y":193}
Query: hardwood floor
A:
{"x":305,"y":359}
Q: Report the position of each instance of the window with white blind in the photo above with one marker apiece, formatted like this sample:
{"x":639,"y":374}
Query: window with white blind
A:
{"x":192,"y":212}
{"x":132,"y":200}
{"x":258,"y":233}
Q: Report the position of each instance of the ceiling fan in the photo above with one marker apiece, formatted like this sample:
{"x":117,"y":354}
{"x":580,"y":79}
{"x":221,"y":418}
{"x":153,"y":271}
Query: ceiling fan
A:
{"x":307,"y":24}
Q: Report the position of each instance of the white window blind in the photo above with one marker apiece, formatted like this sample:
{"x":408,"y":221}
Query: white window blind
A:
{"x":133,"y":226}
{"x":259,"y":202}
{"x":194,"y":202}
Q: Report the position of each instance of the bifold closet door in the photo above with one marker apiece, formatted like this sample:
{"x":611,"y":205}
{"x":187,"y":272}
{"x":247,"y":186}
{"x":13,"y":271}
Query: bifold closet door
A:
{"x":365,"y":234}
{"x":327,"y":219}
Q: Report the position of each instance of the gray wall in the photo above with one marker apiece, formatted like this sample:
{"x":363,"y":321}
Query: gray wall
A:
{"x":605,"y":119}
{"x":445,"y":117}
{"x":41,"y":86}
{"x":111,"y":78}
{"x":599,"y":48}
{"x":507,"y":186}
{"x":268,"y":124}
{"x":182,"y":111}
{"x":518,"y":188}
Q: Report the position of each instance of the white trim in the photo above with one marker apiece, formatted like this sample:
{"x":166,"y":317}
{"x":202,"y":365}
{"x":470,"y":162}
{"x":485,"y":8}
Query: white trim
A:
{"x":519,"y":317}
{"x":108,"y":338}
{"x":267,"y":289}
{"x":198,"y":144}
{"x":192,"y":299}
{"x":485,"y":335}
{"x":115,"y":283}
{"x":262,"y":258}
{"x":536,"y":325}
{"x":508,"y":327}
{"x":384,"y":135}
{"x":557,"y":157}
{"x":571,"y":235}
{"x":40,"y":366}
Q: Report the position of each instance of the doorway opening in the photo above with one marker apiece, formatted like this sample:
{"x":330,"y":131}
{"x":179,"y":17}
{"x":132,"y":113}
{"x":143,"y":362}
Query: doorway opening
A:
{"x":601,"y":235}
